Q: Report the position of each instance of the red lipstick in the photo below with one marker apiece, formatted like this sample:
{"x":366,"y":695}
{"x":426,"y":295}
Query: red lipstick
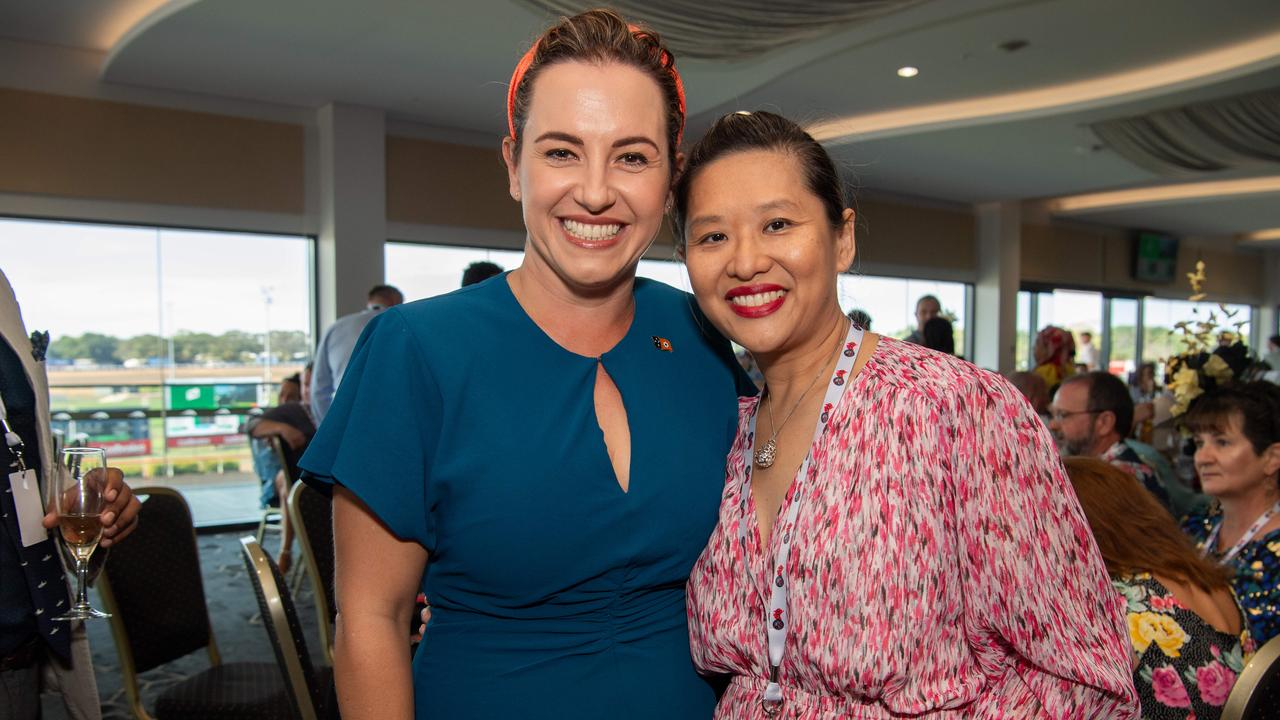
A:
{"x":756,"y":311}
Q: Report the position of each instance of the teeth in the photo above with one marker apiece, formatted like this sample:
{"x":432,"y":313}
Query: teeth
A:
{"x":587,"y":231}
{"x":757,"y":299}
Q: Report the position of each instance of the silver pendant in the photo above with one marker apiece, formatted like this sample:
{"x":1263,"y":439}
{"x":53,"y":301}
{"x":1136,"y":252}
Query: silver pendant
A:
{"x":764,"y":455}
{"x":771,"y":707}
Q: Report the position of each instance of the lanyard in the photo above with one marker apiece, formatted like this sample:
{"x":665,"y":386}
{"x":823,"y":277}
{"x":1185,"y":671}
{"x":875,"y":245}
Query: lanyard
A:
{"x":776,"y":622}
{"x":11,"y":438}
{"x":1244,"y":540}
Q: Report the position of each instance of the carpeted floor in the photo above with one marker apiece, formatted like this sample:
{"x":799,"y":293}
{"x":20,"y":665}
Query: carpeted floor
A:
{"x":237,"y":627}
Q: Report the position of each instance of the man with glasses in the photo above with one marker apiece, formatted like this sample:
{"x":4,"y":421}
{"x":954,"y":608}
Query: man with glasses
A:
{"x":1091,"y":415}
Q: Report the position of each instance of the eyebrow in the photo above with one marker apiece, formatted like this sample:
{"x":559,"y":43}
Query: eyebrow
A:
{"x":575,"y":140}
{"x":779,"y":204}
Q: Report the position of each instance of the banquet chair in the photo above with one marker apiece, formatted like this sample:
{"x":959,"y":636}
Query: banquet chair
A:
{"x":152,"y":587}
{"x":310,"y":690}
{"x":273,"y":515}
{"x":1256,"y":695}
{"x":311,"y":515}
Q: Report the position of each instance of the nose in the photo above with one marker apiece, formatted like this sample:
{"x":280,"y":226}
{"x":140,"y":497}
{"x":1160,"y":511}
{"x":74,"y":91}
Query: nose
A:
{"x":594,"y":191}
{"x":1203,"y":456}
{"x":749,"y":257}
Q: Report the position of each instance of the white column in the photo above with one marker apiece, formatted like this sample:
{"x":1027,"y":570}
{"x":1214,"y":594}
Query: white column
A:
{"x":995,"y":301}
{"x":1270,"y":308}
{"x":353,"y":208}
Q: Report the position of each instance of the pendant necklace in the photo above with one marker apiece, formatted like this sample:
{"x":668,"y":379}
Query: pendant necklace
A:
{"x":764,"y":455}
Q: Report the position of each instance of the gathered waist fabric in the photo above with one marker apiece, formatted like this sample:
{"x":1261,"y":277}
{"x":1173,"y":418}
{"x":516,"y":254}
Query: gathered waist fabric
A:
{"x":742,"y":700}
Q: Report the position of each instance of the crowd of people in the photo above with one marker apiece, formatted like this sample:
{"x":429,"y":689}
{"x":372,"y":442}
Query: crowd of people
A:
{"x":608,"y":518}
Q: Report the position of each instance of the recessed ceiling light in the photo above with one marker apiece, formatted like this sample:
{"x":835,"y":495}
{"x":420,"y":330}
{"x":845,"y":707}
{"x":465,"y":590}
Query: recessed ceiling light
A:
{"x":908,"y":71}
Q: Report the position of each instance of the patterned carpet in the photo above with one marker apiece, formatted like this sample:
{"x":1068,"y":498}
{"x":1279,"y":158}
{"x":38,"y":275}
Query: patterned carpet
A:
{"x":237,"y":627}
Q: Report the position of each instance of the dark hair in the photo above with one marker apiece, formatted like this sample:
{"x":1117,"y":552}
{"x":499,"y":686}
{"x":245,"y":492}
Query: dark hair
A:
{"x":740,"y":132}
{"x":479,"y":271}
{"x":1274,"y":339}
{"x":377,"y":290}
{"x":1107,"y":393}
{"x":939,"y":336}
{"x":1256,"y":403}
{"x":861,"y":318}
{"x":924,"y":298}
{"x":294,"y":378}
{"x":1134,"y":532}
{"x":603,"y":36}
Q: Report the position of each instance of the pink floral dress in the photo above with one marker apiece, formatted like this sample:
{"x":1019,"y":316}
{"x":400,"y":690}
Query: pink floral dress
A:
{"x":939,"y":566}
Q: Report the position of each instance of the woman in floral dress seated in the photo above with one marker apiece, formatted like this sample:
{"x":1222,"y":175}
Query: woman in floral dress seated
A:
{"x":896,"y":535}
{"x":1237,"y":436}
{"x":1189,"y":637}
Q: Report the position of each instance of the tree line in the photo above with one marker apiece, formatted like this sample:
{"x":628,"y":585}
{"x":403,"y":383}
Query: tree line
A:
{"x":188,"y":347}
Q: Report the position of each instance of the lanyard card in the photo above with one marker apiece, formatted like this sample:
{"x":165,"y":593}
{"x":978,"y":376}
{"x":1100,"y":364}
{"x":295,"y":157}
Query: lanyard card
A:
{"x":26,"y":497}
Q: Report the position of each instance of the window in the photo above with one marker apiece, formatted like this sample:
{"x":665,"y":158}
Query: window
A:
{"x":891,"y":303}
{"x":1124,"y":346}
{"x":162,"y":341}
{"x":1161,"y":338}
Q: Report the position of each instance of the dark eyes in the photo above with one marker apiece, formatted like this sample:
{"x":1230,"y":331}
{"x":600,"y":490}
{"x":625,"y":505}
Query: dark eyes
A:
{"x":630,"y":160}
{"x":777,"y":225}
{"x":634,"y":159}
{"x":710,"y":238}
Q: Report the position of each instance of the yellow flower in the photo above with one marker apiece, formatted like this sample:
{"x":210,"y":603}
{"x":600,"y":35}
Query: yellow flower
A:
{"x":1148,"y":627}
{"x":1217,"y":368}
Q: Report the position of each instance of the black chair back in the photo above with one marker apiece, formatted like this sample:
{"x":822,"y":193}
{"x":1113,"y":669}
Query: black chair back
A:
{"x":308,"y":691}
{"x":153,"y":587}
{"x":311,"y":514}
{"x":1256,"y":695}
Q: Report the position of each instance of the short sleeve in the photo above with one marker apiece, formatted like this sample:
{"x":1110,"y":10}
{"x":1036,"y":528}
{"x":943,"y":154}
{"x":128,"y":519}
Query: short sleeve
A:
{"x":380,"y":435}
{"x":1035,"y":583}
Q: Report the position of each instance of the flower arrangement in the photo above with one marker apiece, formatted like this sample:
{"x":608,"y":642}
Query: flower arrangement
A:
{"x":1201,"y":366}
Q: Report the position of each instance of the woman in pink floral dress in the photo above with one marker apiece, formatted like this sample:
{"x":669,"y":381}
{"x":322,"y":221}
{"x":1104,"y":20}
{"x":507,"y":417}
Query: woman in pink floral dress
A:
{"x":896,"y":535}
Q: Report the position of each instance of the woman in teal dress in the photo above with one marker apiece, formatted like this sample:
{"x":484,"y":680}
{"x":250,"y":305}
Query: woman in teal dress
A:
{"x":543,"y":453}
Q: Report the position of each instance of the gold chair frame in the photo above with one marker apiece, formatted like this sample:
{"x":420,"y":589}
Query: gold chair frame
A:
{"x":266,"y":580}
{"x":128,"y":669}
{"x":1238,"y":701}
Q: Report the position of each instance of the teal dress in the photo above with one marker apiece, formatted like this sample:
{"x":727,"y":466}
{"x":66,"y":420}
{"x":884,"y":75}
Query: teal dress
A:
{"x":554,"y":594}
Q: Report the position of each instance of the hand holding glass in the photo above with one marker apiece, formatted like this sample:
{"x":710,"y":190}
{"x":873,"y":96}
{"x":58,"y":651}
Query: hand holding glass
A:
{"x":79,"y":480}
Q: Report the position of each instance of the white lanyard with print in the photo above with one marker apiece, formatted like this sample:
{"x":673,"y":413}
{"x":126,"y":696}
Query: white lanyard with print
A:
{"x":778,"y":619}
{"x":1244,"y":540}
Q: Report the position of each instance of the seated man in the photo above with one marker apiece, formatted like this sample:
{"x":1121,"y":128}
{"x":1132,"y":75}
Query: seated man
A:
{"x":291,"y":421}
{"x":1092,"y":415}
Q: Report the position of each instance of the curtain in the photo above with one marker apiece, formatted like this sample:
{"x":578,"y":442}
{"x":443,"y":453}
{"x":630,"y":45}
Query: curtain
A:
{"x":736,"y":29}
{"x":1211,"y":136}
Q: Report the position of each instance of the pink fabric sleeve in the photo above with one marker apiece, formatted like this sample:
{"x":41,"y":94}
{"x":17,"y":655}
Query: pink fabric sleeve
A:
{"x":1035,"y":586}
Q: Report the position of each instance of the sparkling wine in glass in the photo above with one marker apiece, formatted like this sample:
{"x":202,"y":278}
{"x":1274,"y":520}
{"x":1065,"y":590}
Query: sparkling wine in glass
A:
{"x":80,"y":478}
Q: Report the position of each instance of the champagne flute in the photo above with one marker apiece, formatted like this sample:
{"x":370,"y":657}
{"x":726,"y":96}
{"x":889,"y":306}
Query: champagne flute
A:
{"x":79,"y":479}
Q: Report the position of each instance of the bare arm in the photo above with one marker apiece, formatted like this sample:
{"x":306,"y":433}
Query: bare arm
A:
{"x":264,"y":428}
{"x":376,"y":579}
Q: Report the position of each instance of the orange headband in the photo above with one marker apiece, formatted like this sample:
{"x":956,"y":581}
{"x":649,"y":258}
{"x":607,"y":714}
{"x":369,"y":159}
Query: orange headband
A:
{"x":668,"y":62}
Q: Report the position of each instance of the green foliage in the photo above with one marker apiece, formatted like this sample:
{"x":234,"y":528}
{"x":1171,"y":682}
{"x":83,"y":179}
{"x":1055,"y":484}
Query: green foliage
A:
{"x":188,"y":347}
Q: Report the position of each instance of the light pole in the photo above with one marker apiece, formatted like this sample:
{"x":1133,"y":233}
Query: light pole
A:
{"x":266,"y":339}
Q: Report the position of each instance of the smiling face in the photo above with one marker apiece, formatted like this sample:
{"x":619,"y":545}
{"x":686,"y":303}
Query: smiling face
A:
{"x":761,"y":252}
{"x":592,"y":176}
{"x":1228,"y":464}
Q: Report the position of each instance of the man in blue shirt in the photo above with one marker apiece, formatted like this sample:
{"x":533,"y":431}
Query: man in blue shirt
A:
{"x":337,"y":343}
